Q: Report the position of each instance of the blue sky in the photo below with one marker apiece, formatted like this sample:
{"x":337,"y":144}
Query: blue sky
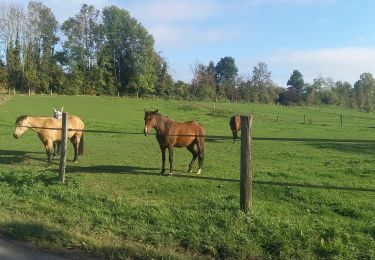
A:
{"x":329,"y":38}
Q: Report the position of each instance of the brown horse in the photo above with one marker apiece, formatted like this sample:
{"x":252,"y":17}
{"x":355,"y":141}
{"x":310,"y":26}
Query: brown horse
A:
{"x":173,"y":134}
{"x":49,"y":131}
{"x":235,"y":126}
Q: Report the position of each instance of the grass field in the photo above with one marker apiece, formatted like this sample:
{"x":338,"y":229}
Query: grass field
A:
{"x":116,"y":205}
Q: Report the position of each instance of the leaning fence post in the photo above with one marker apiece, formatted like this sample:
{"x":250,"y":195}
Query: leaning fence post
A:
{"x":246,"y":164}
{"x":64,"y":133}
{"x":341,"y":118}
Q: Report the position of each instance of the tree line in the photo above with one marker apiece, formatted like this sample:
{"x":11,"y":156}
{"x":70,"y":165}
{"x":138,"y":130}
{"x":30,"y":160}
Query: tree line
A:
{"x":109,"y":52}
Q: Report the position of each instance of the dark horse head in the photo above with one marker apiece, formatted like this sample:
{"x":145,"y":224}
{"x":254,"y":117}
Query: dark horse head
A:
{"x":235,"y":126}
{"x":150,"y":121}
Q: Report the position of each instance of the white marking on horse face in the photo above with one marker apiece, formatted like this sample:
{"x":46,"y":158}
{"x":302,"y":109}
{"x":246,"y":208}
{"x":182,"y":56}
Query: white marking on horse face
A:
{"x":146,"y":131}
{"x":199,"y":171}
{"x":57,"y":114}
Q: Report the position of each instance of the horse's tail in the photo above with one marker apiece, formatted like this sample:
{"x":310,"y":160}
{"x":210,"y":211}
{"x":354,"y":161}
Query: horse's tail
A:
{"x":233,"y":123}
{"x":201,"y":135}
{"x":81,"y":145}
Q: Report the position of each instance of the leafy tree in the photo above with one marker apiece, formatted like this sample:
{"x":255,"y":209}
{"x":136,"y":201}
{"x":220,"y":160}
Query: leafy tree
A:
{"x":344,"y":93}
{"x":364,"y":90}
{"x":204,"y":81}
{"x":226,"y":72}
{"x":262,"y":84}
{"x":295,"y":90}
{"x":14,"y":66}
{"x":40,"y":40}
{"x":131,"y":49}
{"x":3,"y":76}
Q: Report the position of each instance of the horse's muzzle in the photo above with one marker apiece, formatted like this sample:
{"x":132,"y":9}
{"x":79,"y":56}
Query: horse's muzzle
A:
{"x":16,"y":136}
{"x":146,"y":133}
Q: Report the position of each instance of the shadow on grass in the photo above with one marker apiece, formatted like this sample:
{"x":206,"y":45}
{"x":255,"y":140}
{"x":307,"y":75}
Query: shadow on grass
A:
{"x":117,"y":169}
{"x":67,"y":246}
{"x":11,"y":157}
{"x":134,"y":170}
{"x":360,"y":148}
{"x":31,"y":231}
{"x":36,"y":232}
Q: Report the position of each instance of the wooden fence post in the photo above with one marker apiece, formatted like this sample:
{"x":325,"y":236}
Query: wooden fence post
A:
{"x":341,"y":118}
{"x":50,"y":92}
{"x":29,"y":92}
{"x":246,"y":177}
{"x":64,"y":133}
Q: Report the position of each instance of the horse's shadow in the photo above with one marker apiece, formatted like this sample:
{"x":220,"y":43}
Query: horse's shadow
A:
{"x":13,"y":157}
{"x":114,"y":169}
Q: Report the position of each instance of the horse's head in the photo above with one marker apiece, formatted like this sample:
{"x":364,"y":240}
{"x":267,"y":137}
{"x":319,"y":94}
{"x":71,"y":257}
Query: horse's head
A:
{"x":57,"y":113}
{"x":21,"y":126}
{"x":150,"y":121}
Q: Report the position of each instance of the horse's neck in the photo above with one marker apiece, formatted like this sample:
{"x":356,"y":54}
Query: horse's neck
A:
{"x":35,"y":123}
{"x":162,"y":124}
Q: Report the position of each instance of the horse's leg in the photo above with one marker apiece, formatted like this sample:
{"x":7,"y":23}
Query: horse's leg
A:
{"x":49,"y":149}
{"x":162,"y":159}
{"x":200,"y":155}
{"x":74,"y":142}
{"x":195,"y":155}
{"x":170,"y":150}
{"x":235,"y":135}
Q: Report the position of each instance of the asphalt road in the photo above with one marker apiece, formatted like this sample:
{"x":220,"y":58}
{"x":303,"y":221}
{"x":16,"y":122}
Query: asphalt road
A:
{"x":14,"y":250}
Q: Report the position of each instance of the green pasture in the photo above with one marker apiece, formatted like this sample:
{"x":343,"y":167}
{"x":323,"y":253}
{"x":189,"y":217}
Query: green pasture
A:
{"x":115,"y":204}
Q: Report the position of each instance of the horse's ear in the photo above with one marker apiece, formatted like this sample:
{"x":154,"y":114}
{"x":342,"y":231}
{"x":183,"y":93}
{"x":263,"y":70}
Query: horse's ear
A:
{"x":62,"y":109}
{"x":156,"y":110}
{"x":54,"y":110}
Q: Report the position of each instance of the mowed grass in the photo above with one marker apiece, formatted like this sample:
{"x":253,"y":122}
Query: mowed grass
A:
{"x":116,"y":205}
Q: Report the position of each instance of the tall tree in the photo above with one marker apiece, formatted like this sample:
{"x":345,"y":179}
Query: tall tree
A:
{"x":296,"y":85}
{"x":226,"y":72}
{"x":262,"y":84}
{"x":131,"y":48}
{"x":364,"y":90}
{"x":204,"y":81}
{"x":83,"y":38}
{"x":39,"y":44}
{"x":344,"y":93}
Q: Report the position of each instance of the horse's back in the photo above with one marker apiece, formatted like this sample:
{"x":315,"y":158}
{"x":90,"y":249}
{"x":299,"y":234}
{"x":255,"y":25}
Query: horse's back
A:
{"x":75,"y":122}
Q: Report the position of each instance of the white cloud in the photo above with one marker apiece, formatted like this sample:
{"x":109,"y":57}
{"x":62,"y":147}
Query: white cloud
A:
{"x":345,"y":64}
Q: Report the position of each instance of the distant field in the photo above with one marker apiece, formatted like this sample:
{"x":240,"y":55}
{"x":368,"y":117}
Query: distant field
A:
{"x":115,"y":204}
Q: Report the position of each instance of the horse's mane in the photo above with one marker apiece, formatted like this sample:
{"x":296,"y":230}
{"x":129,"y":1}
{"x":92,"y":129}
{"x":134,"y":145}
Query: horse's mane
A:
{"x":232,"y":120}
{"x":20,"y":118}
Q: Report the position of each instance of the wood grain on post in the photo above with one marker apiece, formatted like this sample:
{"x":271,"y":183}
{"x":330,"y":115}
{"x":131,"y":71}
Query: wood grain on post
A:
{"x":64,"y":134}
{"x":246,"y":177}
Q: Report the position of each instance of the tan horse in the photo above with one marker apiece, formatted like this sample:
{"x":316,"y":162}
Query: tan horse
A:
{"x":173,"y":134}
{"x":235,"y":126}
{"x":49,"y":131}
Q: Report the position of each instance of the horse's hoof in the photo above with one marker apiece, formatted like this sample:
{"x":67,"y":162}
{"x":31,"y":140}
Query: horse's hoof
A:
{"x":170,"y":174}
{"x":199,"y":171}
{"x":189,"y":171}
{"x":162,"y":172}
{"x":75,"y":161}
